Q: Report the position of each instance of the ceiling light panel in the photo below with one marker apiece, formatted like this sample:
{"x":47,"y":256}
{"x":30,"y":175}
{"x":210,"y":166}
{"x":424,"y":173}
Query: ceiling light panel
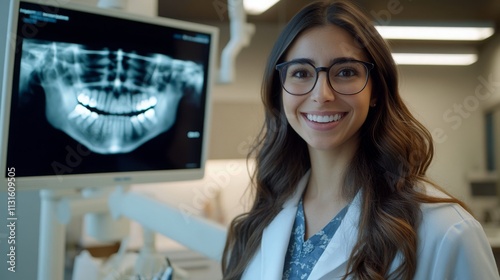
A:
{"x":435,"y":33}
{"x":434,"y":59}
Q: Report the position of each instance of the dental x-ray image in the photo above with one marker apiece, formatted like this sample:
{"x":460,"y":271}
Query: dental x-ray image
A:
{"x":111,"y":101}
{"x":98,"y":94}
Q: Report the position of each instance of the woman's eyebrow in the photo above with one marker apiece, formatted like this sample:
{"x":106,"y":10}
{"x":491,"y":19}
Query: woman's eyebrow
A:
{"x":332,"y":61}
{"x":302,"y":60}
{"x":342,"y":59}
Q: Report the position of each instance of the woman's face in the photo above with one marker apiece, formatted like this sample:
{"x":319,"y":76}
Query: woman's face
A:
{"x":324,"y":118}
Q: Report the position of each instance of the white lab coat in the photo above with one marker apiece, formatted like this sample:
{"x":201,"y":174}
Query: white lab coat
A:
{"x":452,"y":245}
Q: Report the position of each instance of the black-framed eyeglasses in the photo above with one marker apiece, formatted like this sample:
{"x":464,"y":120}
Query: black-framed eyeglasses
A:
{"x":346,"y":76}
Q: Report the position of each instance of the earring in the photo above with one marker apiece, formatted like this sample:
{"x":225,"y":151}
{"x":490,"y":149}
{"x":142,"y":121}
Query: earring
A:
{"x":374,"y":104}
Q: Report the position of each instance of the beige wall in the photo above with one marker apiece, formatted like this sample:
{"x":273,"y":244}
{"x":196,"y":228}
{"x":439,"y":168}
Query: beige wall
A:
{"x":237,"y":112}
{"x":442,"y":98}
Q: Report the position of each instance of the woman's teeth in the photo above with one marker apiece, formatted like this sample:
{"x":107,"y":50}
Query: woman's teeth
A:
{"x":324,"y":119}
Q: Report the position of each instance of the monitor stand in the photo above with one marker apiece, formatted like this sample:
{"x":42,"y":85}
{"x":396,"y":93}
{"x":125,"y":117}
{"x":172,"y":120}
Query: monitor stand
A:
{"x":52,"y":239}
{"x":57,"y":208}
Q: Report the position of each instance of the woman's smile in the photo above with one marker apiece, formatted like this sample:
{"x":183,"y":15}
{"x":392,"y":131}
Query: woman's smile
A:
{"x":323,"y":120}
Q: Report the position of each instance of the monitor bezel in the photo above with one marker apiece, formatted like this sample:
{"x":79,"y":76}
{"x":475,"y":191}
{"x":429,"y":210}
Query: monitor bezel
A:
{"x":77,"y":181}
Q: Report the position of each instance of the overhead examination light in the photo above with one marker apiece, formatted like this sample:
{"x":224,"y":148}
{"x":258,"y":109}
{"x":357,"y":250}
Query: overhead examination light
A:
{"x":257,"y":7}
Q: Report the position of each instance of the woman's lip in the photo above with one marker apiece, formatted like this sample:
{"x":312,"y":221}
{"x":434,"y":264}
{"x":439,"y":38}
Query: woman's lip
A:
{"x":323,"y":113}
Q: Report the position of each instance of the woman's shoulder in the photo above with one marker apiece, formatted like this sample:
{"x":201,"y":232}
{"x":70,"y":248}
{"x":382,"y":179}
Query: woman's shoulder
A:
{"x":450,"y":211}
{"x":439,"y":218}
{"x":452,"y":243}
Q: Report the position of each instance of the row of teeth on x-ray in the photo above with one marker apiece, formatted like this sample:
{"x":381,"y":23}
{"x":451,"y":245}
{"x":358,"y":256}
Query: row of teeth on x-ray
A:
{"x":126,"y":104}
{"x":127,"y":126}
{"x":118,"y":116}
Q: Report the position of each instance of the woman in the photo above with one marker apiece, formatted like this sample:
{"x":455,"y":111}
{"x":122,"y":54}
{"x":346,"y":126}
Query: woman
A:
{"x":340,"y":184}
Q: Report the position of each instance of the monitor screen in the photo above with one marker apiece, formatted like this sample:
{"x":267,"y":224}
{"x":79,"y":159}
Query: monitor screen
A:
{"x":97,"y":97}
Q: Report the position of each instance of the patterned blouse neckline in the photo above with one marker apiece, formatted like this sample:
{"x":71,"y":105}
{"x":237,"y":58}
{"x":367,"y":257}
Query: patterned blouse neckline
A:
{"x":302,"y":255}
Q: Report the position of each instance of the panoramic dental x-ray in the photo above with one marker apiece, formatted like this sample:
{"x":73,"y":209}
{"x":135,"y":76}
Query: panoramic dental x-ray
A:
{"x":110,"y":100}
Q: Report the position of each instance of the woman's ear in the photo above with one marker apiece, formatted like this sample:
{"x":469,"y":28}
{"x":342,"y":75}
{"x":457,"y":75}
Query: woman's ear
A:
{"x":373,"y":102}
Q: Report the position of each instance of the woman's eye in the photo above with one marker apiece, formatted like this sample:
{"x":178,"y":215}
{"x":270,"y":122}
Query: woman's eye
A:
{"x":300,"y":74}
{"x":346,"y":73}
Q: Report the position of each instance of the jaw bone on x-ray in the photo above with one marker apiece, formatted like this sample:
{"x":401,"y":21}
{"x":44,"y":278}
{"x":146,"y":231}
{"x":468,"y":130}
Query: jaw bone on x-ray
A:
{"x":111,"y":101}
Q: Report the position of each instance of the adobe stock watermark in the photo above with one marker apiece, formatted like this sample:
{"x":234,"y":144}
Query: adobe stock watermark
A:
{"x":455,"y":115}
{"x":11,"y":219}
{"x":216,"y":181}
{"x":381,"y":18}
{"x":221,"y":7}
{"x":384,"y":17}
{"x":73,"y":159}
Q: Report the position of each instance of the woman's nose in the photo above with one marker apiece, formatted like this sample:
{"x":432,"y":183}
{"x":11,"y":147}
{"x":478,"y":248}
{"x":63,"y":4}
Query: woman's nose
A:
{"x":322,"y":91}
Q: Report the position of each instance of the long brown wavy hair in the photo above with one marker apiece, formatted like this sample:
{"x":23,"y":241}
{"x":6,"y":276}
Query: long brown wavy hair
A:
{"x":394,"y":153}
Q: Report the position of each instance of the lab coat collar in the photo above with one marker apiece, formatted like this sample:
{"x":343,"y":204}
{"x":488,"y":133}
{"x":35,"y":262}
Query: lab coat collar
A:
{"x":276,"y":237}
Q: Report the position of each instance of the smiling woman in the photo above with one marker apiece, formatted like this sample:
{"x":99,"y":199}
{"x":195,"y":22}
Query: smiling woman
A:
{"x":340,"y":186}
{"x":330,"y":111}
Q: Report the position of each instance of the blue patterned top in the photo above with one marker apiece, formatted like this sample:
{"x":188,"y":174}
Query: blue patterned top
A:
{"x":301,"y":255}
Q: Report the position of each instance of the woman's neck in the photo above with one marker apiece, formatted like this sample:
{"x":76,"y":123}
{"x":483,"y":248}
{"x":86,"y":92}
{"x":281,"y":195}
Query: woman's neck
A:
{"x":323,"y":197}
{"x":327,"y":173}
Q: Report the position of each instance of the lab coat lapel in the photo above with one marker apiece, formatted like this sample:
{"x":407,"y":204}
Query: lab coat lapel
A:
{"x":275,"y":243}
{"x":276,"y":236}
{"x":333,"y":261}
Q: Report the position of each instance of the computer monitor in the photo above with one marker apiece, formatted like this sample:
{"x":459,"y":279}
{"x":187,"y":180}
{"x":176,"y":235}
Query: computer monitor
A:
{"x":96,"y":98}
